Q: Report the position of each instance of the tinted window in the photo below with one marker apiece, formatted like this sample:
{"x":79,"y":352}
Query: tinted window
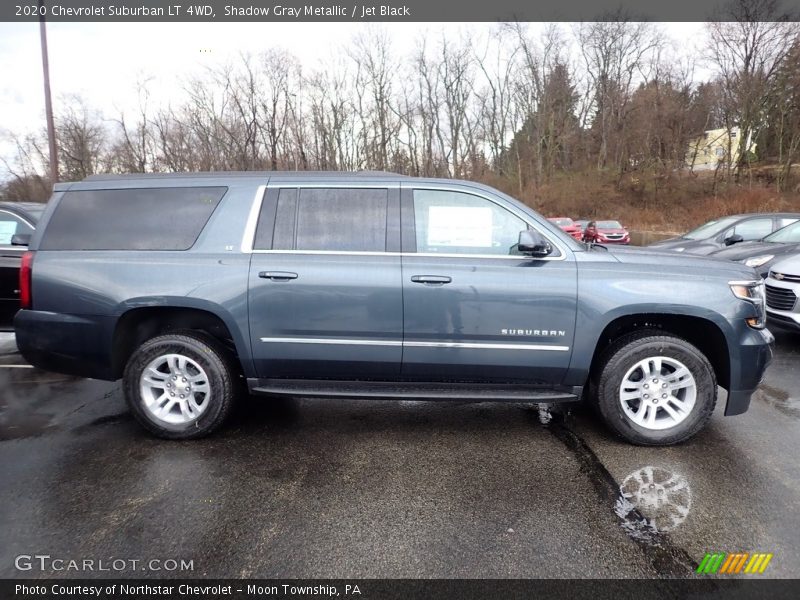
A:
{"x":459,"y":223}
{"x":334,"y":219}
{"x":11,"y":225}
{"x":284,"y":219}
{"x":136,"y":219}
{"x":754,"y":229}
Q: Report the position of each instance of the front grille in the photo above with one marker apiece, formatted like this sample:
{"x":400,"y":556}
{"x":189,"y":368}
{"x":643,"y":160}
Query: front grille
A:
{"x":780,"y":298}
{"x":614,"y":236}
{"x":785,"y":277}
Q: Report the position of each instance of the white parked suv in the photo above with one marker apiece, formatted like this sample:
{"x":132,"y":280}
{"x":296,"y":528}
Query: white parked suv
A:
{"x":783,"y":293}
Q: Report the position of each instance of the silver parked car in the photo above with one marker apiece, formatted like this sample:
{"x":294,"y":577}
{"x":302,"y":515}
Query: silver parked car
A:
{"x":783,"y":293}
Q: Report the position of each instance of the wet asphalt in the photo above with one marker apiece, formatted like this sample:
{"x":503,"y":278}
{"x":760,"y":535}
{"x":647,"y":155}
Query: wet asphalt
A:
{"x":321,"y":488}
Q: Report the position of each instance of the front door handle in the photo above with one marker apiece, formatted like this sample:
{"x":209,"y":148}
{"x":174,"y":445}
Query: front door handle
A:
{"x":277,"y":275}
{"x":431,"y":279}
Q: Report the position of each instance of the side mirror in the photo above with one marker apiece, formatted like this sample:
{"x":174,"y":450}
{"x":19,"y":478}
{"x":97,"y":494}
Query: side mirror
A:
{"x":733,"y":239}
{"x":21,"y":239}
{"x":533,"y":244}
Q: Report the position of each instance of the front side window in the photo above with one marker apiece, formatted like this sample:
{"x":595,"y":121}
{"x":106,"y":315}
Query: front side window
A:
{"x":449,"y":222}
{"x":331,"y":219}
{"x":11,"y":225}
{"x":753,"y":230}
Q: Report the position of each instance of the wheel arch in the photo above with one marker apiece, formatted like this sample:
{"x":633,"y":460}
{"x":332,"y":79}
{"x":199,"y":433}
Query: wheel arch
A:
{"x":703,"y":333}
{"x":140,"y":323}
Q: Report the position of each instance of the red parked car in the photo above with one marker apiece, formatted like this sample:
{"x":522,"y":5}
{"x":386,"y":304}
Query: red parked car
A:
{"x":568,"y":225}
{"x":606,"y":232}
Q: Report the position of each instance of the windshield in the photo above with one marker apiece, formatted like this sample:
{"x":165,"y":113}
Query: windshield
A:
{"x":788,"y":235}
{"x":609,"y":225}
{"x":562,"y":222}
{"x":710,"y":229}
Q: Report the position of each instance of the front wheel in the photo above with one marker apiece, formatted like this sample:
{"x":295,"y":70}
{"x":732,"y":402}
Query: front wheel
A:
{"x":656,"y":389}
{"x":180,"y":386}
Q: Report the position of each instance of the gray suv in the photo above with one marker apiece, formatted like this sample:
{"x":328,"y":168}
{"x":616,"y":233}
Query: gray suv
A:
{"x":196,"y":288}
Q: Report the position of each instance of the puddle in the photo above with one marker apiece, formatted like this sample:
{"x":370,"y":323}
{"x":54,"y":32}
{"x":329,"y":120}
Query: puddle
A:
{"x":645,"y":515}
{"x":25,"y":426}
{"x":779,"y":400}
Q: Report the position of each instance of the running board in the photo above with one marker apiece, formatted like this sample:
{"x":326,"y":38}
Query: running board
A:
{"x":413,"y":390}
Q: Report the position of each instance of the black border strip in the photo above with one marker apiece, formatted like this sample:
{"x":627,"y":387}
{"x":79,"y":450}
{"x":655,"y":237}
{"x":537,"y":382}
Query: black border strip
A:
{"x":398,"y":10}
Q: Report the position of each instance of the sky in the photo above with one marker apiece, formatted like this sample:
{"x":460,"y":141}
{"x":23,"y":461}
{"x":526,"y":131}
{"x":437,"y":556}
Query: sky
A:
{"x":102,"y":62}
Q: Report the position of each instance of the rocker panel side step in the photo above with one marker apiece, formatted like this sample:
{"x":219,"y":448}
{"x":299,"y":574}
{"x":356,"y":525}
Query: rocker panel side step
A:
{"x":412,"y":390}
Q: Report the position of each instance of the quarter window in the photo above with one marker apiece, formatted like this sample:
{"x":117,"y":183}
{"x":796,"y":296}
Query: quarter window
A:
{"x":131,"y":219}
{"x":449,"y":222}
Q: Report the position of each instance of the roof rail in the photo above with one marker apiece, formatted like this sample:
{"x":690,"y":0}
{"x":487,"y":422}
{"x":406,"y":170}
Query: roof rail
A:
{"x":262,"y":174}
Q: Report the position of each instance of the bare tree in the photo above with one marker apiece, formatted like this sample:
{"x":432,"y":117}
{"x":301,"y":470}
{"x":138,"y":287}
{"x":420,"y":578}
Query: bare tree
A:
{"x":746,"y":50}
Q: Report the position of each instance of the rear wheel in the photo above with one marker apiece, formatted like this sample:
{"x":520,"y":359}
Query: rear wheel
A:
{"x":656,"y":389}
{"x":181,"y":385}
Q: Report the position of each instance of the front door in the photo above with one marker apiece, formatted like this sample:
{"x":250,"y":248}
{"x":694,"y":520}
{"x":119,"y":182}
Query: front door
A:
{"x":475,"y":308}
{"x":325,"y":294}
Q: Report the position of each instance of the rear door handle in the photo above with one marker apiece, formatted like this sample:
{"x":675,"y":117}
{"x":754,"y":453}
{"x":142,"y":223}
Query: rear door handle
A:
{"x":431,"y":279}
{"x":277,"y":275}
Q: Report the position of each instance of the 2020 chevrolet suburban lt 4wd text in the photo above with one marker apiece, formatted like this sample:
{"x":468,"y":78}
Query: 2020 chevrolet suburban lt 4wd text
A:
{"x":375,"y":285}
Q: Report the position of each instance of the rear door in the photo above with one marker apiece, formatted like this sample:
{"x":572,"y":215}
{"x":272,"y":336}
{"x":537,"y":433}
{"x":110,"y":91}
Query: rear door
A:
{"x":475,"y":308}
{"x":325,"y":295}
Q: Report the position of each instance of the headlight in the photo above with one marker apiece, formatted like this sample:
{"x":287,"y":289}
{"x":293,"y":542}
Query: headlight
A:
{"x":679,"y":249}
{"x":755,"y":293}
{"x":757,"y":261}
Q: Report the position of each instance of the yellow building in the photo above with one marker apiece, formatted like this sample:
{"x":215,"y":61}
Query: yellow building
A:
{"x":709,"y":150}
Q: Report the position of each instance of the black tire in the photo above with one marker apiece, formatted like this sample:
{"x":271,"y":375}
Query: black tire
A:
{"x":623,"y":355}
{"x":220,"y":370}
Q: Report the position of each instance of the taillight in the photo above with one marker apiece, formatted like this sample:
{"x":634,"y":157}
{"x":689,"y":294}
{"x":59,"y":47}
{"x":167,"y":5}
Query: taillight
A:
{"x":25,"y":280}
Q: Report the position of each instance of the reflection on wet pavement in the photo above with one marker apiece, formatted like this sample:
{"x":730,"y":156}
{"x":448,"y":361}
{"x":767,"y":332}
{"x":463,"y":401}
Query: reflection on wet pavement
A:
{"x":779,"y":399}
{"x":663,"y":497}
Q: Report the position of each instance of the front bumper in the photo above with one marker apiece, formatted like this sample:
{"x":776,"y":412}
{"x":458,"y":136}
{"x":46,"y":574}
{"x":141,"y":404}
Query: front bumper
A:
{"x":747,"y":373}
{"x":783,"y":319}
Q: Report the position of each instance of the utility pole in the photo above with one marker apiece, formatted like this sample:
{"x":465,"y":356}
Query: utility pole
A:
{"x":48,"y":103}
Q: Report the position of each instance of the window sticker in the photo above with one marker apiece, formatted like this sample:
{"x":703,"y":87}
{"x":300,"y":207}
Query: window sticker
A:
{"x":7,"y":231}
{"x":460,"y":226}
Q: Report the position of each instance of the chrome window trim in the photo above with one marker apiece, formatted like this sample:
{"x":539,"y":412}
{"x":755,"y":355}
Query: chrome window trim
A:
{"x":249,"y":235}
{"x":415,"y":344}
{"x":248,"y":238}
{"x":409,"y":254}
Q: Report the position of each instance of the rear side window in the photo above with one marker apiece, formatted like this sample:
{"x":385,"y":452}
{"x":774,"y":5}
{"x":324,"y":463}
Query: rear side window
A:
{"x":332,"y":219}
{"x":131,"y":219}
